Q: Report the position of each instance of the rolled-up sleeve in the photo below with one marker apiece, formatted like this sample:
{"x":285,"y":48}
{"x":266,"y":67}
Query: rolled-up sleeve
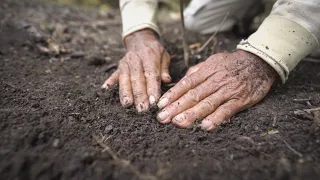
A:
{"x":287,"y":35}
{"x":137,"y":15}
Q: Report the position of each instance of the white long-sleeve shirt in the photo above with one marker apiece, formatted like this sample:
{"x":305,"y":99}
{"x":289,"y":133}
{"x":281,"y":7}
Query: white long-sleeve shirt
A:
{"x":287,"y":35}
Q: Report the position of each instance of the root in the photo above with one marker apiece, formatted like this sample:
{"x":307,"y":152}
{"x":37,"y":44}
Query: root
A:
{"x":214,"y":34}
{"x":291,"y":148}
{"x":127,"y":163}
{"x":316,"y":118}
{"x":312,"y":110}
{"x":184,"y":39}
{"x":316,"y":122}
{"x":170,"y":85}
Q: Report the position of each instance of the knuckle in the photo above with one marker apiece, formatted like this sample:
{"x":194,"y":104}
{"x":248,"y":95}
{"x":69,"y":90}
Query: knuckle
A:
{"x":187,"y":83}
{"x":131,"y":55}
{"x":131,"y":58}
{"x":138,"y":95}
{"x":122,"y":62}
{"x":208,"y":104}
{"x":134,"y":81}
{"x":227,"y":111}
{"x":193,"y":68}
{"x":193,"y":95}
{"x":149,"y":51}
{"x":150,"y":73}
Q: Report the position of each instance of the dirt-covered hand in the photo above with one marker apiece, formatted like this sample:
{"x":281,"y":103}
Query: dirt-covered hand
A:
{"x":216,"y":90}
{"x":141,"y":71}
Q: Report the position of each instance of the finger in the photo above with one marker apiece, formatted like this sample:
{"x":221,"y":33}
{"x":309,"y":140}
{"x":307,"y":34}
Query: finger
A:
{"x":188,"y":100}
{"x":165,"y":75}
{"x":223,"y":113}
{"x":194,"y":69}
{"x":151,"y":66}
{"x":200,"y":110}
{"x":182,"y":87}
{"x":125,"y":89}
{"x":138,"y":82}
{"x":112,"y":80}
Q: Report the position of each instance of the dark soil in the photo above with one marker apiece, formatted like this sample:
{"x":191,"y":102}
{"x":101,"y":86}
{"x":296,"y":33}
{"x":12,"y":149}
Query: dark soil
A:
{"x":56,"y":123}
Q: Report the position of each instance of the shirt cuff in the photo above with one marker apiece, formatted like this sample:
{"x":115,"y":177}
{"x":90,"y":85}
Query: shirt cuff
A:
{"x":281,"y":42}
{"x":137,"y":15}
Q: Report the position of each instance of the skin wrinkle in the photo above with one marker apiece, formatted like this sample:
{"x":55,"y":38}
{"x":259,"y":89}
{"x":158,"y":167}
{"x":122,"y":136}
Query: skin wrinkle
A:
{"x":243,"y":81}
{"x":224,"y":84}
{"x":258,"y":73}
{"x":147,"y":64}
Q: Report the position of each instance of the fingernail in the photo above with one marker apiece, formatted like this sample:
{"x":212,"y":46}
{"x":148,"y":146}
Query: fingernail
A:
{"x":152,"y":100}
{"x":163,"y":102}
{"x":105,"y":86}
{"x":141,"y":108}
{"x":179,"y":118}
{"x":163,"y":115}
{"x":125,"y":102}
{"x":206,"y":125}
{"x":166,"y":75}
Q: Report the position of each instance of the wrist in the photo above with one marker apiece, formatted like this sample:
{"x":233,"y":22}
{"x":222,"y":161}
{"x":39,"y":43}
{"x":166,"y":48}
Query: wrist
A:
{"x":262,"y":65}
{"x":141,"y":35}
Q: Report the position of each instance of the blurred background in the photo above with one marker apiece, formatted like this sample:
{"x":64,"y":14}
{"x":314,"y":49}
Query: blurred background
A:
{"x":168,"y":9}
{"x":102,"y":4}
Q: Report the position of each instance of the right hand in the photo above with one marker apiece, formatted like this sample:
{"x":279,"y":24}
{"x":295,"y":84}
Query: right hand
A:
{"x":141,"y":71}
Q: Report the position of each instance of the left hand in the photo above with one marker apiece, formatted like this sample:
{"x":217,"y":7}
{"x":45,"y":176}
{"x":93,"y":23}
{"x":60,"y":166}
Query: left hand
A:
{"x":217,"y":89}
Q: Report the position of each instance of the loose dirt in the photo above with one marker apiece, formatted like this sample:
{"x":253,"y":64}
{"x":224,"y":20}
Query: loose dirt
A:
{"x":56,"y":123}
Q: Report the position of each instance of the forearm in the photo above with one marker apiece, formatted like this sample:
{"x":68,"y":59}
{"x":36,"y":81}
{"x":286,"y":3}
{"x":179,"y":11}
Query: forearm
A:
{"x":137,"y":15}
{"x":287,"y":35}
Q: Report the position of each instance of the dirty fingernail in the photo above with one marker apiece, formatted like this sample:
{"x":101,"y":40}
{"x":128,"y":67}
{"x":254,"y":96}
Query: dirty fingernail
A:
{"x":141,"y":107}
{"x":152,"y":100}
{"x":125,"y":102}
{"x":105,"y":86}
{"x":163,"y":115}
{"x":163,"y":102}
{"x":206,"y":125}
{"x":166,"y":75}
{"x":179,"y":118}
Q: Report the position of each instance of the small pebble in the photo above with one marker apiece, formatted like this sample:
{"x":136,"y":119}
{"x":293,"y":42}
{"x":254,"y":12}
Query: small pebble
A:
{"x":77,"y":54}
{"x":56,"y":143}
{"x":108,"y":129}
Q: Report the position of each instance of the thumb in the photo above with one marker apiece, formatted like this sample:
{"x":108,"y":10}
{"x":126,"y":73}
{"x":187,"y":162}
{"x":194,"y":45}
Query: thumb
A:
{"x":165,"y":76}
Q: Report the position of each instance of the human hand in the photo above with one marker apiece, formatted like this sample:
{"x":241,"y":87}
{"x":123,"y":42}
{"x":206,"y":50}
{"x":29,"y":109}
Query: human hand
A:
{"x":216,"y":90}
{"x":141,"y":71}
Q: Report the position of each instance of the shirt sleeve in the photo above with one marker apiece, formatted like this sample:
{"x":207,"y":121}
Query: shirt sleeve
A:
{"x":287,"y":35}
{"x":137,"y":15}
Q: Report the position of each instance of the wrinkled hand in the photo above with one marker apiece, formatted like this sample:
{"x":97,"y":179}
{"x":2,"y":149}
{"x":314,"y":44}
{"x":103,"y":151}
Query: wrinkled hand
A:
{"x":141,"y":71}
{"x":217,"y":89}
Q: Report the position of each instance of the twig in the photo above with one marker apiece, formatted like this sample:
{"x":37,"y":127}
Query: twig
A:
{"x":106,"y":148}
{"x":184,"y":41}
{"x":11,"y":85}
{"x":110,"y":67}
{"x":214,"y":44}
{"x":316,"y":122}
{"x":214,"y":34}
{"x":291,"y":148}
{"x":171,"y":84}
{"x":114,"y":156}
{"x":312,"y":110}
{"x":313,"y":60}
{"x":302,"y":100}
{"x":95,"y":23}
